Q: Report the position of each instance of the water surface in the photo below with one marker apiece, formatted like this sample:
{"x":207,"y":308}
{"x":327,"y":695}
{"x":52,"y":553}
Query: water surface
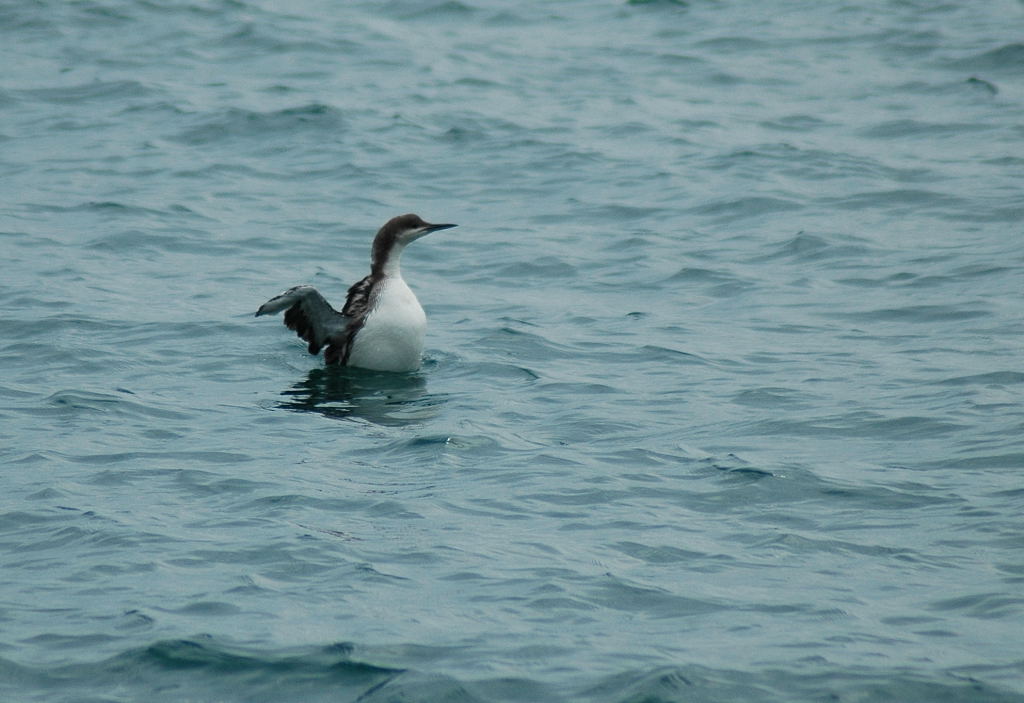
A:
{"x":722,"y":391}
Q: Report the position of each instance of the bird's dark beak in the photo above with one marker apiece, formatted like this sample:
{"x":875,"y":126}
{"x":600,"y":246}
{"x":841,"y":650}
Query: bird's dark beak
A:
{"x":435,"y":228}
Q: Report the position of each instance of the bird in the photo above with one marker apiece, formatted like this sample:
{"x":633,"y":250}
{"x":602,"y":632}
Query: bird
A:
{"x":382,"y":324}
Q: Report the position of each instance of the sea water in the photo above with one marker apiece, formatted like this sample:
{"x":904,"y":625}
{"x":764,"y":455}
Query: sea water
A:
{"x":722,"y":394}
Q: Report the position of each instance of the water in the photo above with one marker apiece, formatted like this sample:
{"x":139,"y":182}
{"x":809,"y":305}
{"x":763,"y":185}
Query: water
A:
{"x":722,"y":391}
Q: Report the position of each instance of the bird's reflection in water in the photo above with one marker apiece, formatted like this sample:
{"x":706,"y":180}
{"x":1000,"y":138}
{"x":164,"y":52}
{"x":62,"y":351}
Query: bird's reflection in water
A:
{"x":379,"y":397}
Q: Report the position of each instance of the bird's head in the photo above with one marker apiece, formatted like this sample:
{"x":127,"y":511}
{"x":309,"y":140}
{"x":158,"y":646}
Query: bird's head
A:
{"x":397,"y":233}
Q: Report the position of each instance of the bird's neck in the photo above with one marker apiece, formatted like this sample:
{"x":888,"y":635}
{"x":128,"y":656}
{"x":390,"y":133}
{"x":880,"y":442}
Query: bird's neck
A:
{"x":389,"y":263}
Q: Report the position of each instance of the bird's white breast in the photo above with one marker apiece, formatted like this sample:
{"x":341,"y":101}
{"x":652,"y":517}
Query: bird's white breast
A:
{"x":391,"y":338}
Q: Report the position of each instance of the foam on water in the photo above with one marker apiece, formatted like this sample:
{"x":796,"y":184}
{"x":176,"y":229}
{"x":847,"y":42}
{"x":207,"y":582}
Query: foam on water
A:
{"x":722,"y":396}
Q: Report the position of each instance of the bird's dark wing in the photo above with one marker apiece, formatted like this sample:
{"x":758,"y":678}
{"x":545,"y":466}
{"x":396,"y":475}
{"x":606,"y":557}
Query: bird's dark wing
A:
{"x":357,"y":305}
{"x":358,"y":300}
{"x":310,"y":315}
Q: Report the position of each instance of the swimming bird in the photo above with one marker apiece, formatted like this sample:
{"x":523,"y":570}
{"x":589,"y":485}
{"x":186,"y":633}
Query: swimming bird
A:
{"x":382,"y":324}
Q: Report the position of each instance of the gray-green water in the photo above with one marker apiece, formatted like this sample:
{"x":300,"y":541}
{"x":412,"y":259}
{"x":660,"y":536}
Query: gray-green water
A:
{"x":723,"y":383}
